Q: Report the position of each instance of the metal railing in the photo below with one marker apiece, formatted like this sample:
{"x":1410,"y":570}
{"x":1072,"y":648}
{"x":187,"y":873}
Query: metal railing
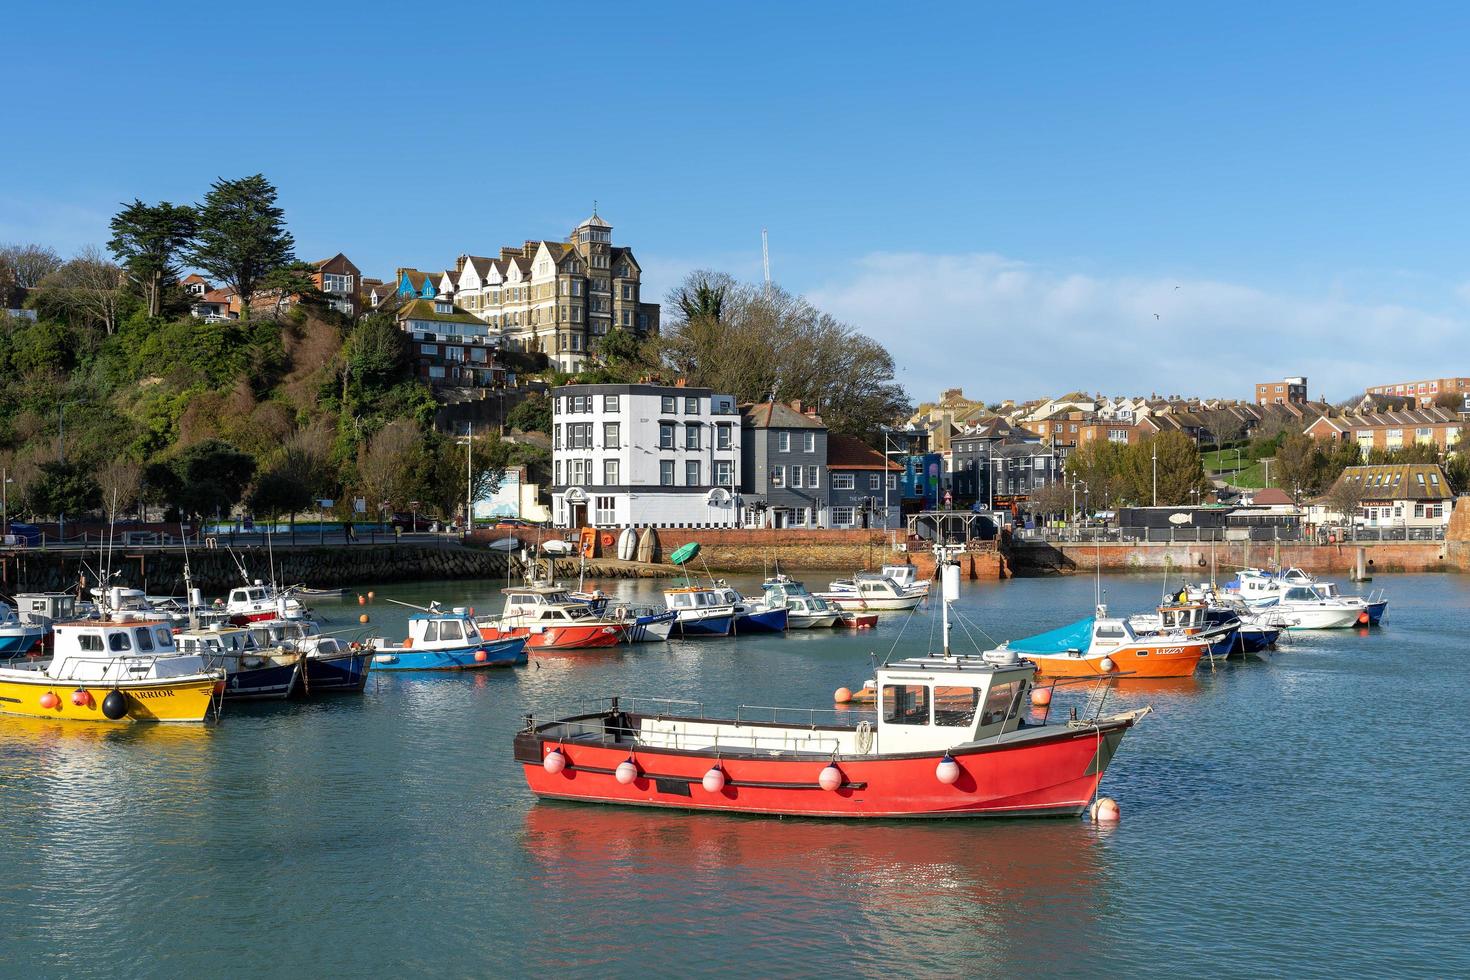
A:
{"x":831,"y":715}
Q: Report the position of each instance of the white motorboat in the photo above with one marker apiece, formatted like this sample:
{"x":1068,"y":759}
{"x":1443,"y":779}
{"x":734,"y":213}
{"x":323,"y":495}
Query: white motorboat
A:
{"x":877,"y":593}
{"x":803,"y":610}
{"x":1305,"y":607}
{"x":906,"y":577}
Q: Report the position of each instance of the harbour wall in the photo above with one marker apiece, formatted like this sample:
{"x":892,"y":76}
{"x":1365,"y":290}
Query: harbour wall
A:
{"x":1041,"y":558}
{"x":161,"y":571}
{"x":757,"y":549}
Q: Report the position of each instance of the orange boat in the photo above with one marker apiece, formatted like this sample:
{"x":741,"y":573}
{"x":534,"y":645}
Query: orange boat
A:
{"x":1102,"y":645}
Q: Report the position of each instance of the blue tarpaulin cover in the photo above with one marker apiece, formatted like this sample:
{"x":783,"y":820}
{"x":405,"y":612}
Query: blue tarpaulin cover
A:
{"x":1077,"y":636}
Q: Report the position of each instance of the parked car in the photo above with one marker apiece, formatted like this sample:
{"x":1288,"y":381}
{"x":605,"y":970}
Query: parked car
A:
{"x":412,"y":522}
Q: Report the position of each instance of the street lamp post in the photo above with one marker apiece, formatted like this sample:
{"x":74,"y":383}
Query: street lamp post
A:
{"x":1155,"y":448}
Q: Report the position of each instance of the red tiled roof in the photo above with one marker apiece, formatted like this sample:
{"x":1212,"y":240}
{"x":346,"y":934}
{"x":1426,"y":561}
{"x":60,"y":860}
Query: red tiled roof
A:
{"x":1270,"y":496}
{"x":847,"y":453}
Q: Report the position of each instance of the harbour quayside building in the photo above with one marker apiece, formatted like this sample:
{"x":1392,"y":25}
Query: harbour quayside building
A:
{"x":661,"y":455}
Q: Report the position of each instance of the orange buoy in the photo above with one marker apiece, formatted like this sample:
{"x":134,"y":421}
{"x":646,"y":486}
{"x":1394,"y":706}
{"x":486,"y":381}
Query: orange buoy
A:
{"x":50,"y":700}
{"x":372,"y":596}
{"x":362,"y":600}
{"x":842,"y":695}
{"x":1363,"y":618}
{"x":1105,"y":810}
{"x":607,"y":539}
{"x":81,"y":698}
{"x":481,"y":656}
{"x":1041,"y":696}
{"x":363,"y":618}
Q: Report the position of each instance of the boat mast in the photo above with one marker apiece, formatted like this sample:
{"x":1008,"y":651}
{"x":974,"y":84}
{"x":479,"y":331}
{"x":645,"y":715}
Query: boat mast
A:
{"x":188,"y":584}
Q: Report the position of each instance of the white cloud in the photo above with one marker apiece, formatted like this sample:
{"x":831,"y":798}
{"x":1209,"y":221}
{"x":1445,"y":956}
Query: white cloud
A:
{"x":1000,"y":328}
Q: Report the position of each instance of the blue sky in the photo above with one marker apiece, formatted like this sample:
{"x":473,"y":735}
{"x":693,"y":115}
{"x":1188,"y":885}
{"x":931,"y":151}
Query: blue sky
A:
{"x":1006,"y":195}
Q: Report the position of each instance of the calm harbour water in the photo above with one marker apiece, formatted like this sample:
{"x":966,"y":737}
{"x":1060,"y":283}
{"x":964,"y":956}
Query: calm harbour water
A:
{"x":1295,"y":816}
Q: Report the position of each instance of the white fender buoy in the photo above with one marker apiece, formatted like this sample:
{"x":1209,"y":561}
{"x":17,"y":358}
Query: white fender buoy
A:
{"x":554,"y":762}
{"x":831,"y":778}
{"x":627,"y":771}
{"x":714,"y":780}
{"x":1105,"y":810}
{"x":948,"y":771}
{"x":1107,"y":665}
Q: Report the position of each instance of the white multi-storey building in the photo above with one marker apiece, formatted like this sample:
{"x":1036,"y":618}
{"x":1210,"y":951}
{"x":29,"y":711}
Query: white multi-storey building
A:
{"x":644,"y":455}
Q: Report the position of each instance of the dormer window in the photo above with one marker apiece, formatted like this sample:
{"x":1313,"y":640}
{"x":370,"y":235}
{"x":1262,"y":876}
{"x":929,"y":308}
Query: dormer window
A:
{"x":442,"y":307}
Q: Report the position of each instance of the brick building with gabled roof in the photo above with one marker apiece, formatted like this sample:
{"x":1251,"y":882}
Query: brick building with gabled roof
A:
{"x":1390,"y":430}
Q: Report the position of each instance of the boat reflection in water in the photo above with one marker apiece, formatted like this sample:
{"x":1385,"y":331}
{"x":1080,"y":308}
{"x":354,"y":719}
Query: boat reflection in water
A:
{"x":1028,"y":896}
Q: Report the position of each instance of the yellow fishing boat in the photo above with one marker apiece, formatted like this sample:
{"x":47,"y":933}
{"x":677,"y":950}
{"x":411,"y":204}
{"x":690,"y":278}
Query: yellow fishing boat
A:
{"x":119,"y":671}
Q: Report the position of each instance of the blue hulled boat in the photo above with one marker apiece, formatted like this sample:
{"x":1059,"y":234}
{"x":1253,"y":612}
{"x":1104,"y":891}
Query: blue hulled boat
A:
{"x":251,"y":673}
{"x":18,"y":637}
{"x":447,"y":641}
{"x":332,"y":666}
{"x":753,"y":615}
{"x":699,"y":612}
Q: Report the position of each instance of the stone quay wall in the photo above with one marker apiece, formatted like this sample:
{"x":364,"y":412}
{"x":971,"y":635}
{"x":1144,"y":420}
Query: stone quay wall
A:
{"x":1337,"y":559}
{"x":161,"y":571}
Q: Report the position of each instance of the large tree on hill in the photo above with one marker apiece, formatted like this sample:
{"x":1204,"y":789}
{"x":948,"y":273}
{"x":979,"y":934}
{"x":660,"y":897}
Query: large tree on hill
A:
{"x":751,"y":341}
{"x":241,"y":236}
{"x":62,"y":488}
{"x":148,"y":240}
{"x":209,"y":478}
{"x":1300,"y":464}
{"x":1179,"y":468}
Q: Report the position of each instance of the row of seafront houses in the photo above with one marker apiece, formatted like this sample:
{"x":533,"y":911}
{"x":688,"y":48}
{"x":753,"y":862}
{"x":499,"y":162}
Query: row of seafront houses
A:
{"x":668,"y":455}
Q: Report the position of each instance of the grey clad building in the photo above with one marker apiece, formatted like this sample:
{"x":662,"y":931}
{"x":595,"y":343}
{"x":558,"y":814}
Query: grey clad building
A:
{"x":783,"y":466}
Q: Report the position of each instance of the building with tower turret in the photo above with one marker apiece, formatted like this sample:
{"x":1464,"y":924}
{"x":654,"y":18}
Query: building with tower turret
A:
{"x":556,"y":297}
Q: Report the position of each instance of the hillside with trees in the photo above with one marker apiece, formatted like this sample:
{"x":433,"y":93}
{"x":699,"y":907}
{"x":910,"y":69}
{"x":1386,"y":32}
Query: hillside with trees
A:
{"x":114,"y":396}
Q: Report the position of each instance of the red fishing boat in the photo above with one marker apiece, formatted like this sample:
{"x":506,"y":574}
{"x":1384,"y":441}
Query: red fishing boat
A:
{"x":949,"y":738}
{"x":550,"y":619}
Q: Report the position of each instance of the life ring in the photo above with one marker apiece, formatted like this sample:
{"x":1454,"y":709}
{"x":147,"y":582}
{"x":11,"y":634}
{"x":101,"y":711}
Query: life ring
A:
{"x":607,"y":539}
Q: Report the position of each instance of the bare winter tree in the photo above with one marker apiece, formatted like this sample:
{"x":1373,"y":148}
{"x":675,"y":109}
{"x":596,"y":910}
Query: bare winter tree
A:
{"x":1346,"y":496}
{"x":121,"y":481}
{"x":26,"y":265}
{"x":388,"y":463}
{"x":89,"y":288}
